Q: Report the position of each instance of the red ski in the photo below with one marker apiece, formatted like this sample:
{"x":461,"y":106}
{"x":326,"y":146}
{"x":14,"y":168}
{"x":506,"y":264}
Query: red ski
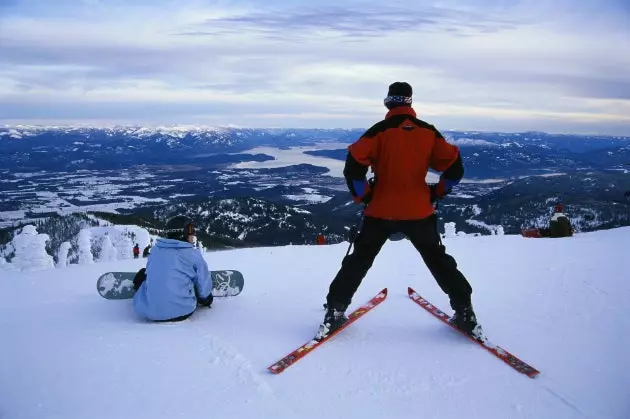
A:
{"x":496,"y":350}
{"x":309,"y":346}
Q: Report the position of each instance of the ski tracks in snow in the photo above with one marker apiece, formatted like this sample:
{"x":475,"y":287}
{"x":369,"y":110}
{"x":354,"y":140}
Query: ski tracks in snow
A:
{"x":228,"y":358}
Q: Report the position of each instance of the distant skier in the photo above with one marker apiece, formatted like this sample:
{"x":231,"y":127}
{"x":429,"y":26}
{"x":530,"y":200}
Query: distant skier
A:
{"x":146,"y":251}
{"x":320,"y":239}
{"x":400,"y":150}
{"x":176,"y":278}
{"x":136,"y":251}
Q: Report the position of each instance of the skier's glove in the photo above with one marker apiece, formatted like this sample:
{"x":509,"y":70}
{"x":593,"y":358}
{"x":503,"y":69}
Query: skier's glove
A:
{"x":206,"y":302}
{"x":434,"y":194}
{"x":441,"y":189}
{"x":363,"y":190}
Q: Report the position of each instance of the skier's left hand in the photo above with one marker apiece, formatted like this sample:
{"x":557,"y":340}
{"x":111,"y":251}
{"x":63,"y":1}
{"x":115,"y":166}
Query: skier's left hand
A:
{"x":206,"y":302}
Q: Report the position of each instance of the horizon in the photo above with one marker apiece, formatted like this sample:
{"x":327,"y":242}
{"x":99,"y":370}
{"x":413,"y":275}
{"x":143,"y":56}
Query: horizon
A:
{"x":485,"y":66}
{"x":189,"y":127}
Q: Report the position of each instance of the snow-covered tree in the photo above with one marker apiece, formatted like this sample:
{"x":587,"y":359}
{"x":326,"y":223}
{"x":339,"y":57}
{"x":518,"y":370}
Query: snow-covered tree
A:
{"x":449,"y":230}
{"x":107,"y":250}
{"x":500,"y":231}
{"x":30,"y":250}
{"x":125,"y":247}
{"x":62,"y":255}
{"x":85,"y":247}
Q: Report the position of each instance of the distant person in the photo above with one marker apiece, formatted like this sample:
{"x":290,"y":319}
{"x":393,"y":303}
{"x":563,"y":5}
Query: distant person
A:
{"x":146,"y":251}
{"x":559,"y":225}
{"x":176,"y":278}
{"x":136,"y":251}
{"x":320,"y":239}
{"x":400,"y":150}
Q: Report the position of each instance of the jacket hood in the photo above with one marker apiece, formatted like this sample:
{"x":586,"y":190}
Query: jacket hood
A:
{"x":172,"y":244}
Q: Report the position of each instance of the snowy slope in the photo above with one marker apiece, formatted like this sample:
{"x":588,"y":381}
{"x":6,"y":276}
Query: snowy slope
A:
{"x":561,"y":305}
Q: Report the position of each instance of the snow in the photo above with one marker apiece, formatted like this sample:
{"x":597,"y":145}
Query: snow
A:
{"x":559,"y":304}
{"x":62,"y":254}
{"x":30,"y":250}
{"x":310,"y":197}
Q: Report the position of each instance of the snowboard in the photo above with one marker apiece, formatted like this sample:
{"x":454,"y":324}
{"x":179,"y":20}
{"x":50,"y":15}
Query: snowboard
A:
{"x":119,"y":285}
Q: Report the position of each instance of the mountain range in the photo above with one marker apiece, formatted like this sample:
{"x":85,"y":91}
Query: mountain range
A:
{"x":276,"y":186}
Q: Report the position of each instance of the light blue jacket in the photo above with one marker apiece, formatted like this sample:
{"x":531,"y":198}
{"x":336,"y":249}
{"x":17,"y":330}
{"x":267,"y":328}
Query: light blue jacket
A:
{"x":175,"y":269}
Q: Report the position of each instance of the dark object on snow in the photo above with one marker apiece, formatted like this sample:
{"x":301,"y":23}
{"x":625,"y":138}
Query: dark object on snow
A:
{"x":140,"y":277}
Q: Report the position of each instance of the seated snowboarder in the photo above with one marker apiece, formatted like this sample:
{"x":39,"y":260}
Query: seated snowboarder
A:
{"x":176,"y":278}
{"x":559,"y":225}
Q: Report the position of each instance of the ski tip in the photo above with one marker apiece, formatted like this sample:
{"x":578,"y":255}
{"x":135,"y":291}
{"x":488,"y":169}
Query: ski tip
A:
{"x":274,"y":370}
{"x":410,"y":290}
{"x":384,"y":291}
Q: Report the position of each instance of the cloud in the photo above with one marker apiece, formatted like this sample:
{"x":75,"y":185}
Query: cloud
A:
{"x":371,"y":21}
{"x":502,"y":63}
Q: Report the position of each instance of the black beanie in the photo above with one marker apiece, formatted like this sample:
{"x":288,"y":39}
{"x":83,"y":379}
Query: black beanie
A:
{"x":179,"y":228}
{"x":399,"y":94}
{"x":400,"y":88}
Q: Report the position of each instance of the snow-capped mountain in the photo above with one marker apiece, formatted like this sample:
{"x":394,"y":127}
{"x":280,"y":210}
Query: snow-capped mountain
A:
{"x":26,"y":148}
{"x":128,"y":170}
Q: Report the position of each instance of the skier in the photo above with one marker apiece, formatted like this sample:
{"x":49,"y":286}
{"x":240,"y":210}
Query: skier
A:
{"x":176,"y":278}
{"x":146,"y":251}
{"x":320,"y":239}
{"x":400,"y":150}
{"x":136,"y":251}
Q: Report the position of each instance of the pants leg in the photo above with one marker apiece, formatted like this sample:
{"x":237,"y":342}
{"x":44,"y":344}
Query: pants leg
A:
{"x":425,"y":238}
{"x":140,"y":277}
{"x":176,"y":319}
{"x":355,"y":266}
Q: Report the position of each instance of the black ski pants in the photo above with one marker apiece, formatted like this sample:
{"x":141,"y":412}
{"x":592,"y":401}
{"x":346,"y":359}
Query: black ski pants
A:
{"x":425,"y":238}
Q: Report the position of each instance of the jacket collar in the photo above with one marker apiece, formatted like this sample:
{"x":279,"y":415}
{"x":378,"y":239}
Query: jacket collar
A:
{"x":401,"y":110}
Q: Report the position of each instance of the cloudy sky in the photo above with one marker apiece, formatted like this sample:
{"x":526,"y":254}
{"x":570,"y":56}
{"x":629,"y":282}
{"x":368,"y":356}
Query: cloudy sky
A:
{"x":508,"y":65}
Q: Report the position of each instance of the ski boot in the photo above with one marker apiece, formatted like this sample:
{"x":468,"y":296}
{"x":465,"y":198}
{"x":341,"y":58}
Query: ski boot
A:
{"x":334,"y":318}
{"x":465,"y":320}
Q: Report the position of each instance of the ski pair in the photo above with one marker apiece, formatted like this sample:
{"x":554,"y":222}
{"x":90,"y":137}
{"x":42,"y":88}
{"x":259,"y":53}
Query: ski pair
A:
{"x":309,"y":346}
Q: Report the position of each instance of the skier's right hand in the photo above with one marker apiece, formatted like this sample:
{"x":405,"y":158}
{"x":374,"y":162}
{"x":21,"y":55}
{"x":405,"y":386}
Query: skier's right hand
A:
{"x":434,"y":196}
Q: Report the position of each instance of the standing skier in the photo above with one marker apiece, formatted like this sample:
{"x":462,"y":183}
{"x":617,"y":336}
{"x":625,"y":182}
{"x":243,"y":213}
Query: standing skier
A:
{"x":400,"y":150}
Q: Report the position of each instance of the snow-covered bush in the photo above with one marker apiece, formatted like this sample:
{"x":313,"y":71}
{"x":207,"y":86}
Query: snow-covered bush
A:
{"x":62,"y":255}
{"x":449,"y":230}
{"x":107,"y":252}
{"x":30,"y":250}
{"x":85,"y":247}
